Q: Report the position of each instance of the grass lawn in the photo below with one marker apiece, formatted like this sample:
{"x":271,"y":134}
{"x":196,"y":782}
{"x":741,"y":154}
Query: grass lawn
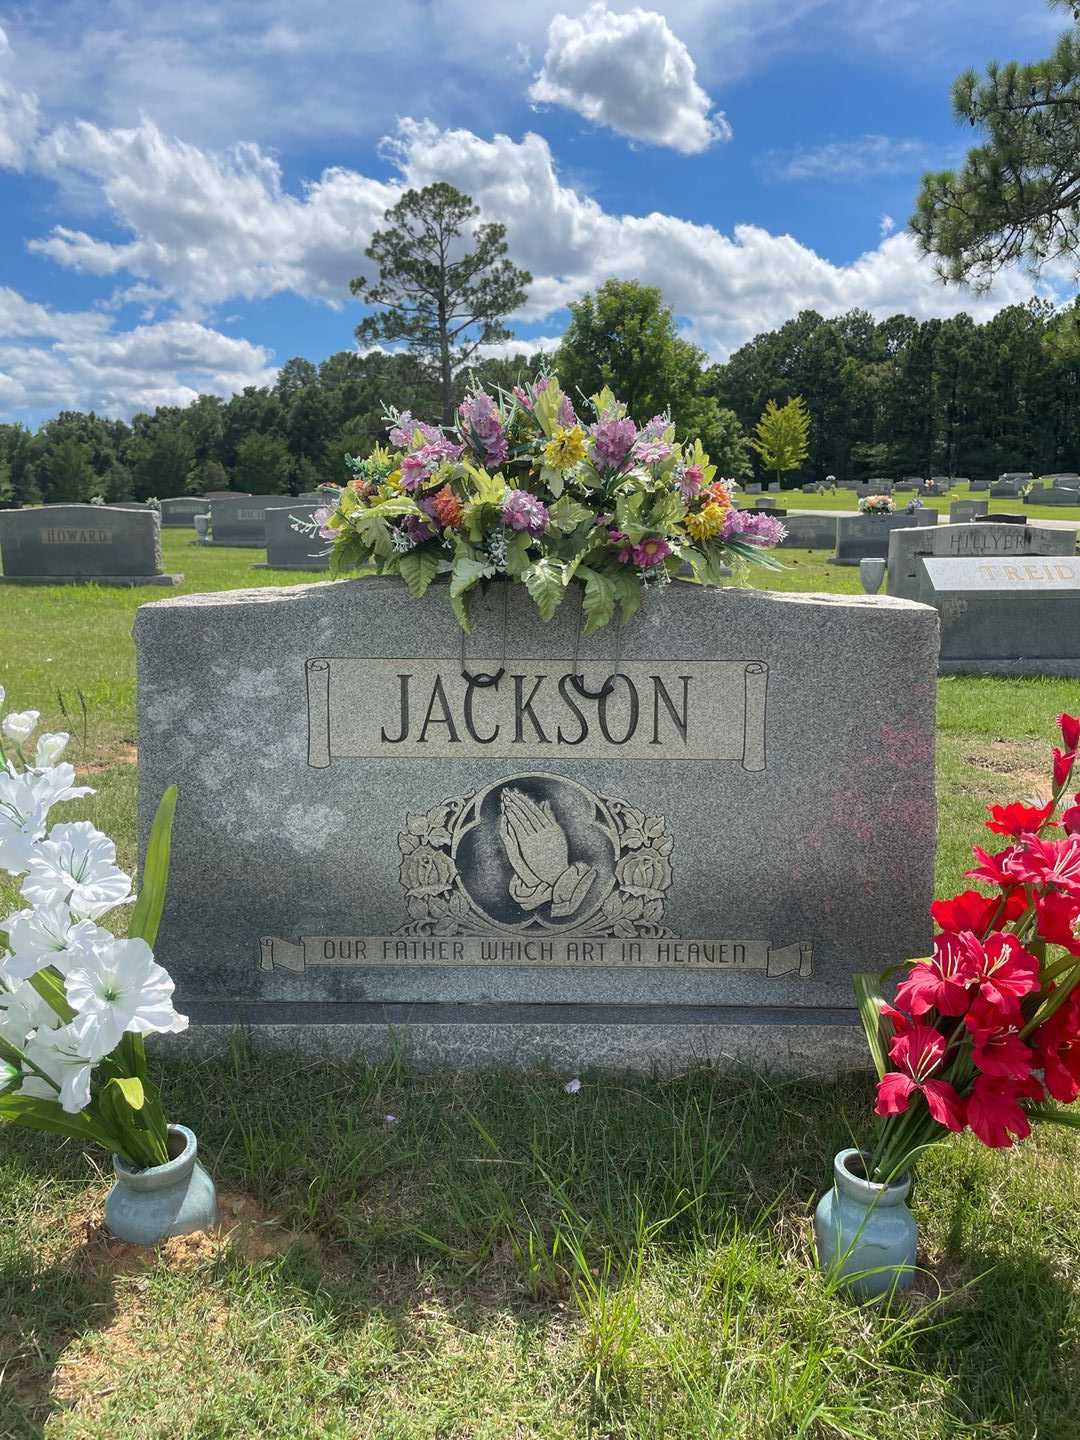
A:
{"x":503,"y":1259}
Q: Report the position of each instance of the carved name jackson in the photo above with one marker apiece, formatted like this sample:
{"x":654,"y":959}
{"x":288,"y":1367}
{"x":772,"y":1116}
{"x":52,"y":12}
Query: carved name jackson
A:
{"x":425,"y":707}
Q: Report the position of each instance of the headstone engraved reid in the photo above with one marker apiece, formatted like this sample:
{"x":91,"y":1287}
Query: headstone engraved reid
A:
{"x":866,"y":537}
{"x":82,"y":544}
{"x":1007,"y":615}
{"x":532,"y":847}
{"x":293,"y":541}
{"x":980,"y":539}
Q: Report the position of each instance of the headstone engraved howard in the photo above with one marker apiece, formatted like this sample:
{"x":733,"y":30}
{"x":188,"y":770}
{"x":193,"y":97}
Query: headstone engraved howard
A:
{"x":82,"y":544}
{"x":1007,"y":616}
{"x":240,"y":520}
{"x":980,"y":539}
{"x":181,"y":511}
{"x":620,"y":850}
{"x":292,"y":539}
{"x":865,"y":537}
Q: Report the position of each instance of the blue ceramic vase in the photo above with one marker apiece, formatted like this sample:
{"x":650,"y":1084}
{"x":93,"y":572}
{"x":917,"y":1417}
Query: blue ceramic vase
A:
{"x":865,"y":1232}
{"x":172,"y":1199}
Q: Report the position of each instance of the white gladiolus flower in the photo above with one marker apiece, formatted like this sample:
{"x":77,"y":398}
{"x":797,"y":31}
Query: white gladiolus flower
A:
{"x":49,"y":935}
{"x":25,"y":801}
{"x":22,"y":1012}
{"x":120,"y":989}
{"x":23,"y":815}
{"x":20,"y":725}
{"x":76,"y":865}
{"x":50,"y":747}
{"x":67,"y":1059}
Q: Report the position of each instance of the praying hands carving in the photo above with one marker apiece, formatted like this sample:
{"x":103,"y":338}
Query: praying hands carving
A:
{"x":539,"y":854}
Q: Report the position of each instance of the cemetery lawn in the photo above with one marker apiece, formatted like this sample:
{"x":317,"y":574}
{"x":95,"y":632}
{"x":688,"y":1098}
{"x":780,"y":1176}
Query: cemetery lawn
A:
{"x":505,"y":1259}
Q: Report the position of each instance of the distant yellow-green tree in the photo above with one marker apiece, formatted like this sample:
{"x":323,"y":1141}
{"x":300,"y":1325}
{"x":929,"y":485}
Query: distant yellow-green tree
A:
{"x":782,"y":436}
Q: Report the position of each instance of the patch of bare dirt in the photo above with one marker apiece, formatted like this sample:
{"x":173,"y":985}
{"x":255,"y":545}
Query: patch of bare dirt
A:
{"x":1024,"y":763}
{"x":243,"y":1228}
{"x":125,"y":753}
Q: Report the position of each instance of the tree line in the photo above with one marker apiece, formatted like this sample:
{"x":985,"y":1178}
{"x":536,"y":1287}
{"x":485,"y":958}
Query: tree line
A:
{"x":885,"y":398}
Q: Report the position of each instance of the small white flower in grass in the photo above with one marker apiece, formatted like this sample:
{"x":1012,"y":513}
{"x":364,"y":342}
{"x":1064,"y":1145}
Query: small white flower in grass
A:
{"x":22,"y":1013}
{"x":49,"y":935}
{"x":20,"y":725}
{"x":572,"y":1086}
{"x":120,"y":989}
{"x":67,"y":1058}
{"x":50,"y":747}
{"x":76,"y":865}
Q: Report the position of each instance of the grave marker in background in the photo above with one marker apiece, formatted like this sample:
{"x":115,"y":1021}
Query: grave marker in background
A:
{"x":79,"y":544}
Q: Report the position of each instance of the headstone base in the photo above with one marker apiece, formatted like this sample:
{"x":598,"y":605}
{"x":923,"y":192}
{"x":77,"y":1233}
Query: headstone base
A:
{"x":305,"y":569}
{"x":91,"y":579}
{"x":1061,"y":669}
{"x":238,"y":544}
{"x":563,"y":1038}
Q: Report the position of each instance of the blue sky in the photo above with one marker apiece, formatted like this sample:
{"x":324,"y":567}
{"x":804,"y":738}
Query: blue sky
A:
{"x":186,"y":190}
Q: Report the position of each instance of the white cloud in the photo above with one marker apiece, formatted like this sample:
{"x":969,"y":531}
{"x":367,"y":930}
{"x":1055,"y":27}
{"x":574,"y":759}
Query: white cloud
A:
{"x":51,"y":360}
{"x":887,"y":225}
{"x":20,"y":117}
{"x":631,"y":73}
{"x":208,"y":227}
{"x":846,"y":160}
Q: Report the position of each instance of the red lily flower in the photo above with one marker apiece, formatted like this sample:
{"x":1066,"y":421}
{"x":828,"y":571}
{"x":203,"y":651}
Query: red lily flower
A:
{"x":1069,"y":725}
{"x":918,"y":1052}
{"x":991,"y":868}
{"x":1070,"y":818}
{"x":1017,"y":819}
{"x":1064,"y":760}
{"x":994,"y":1113}
{"x":1057,"y":1043}
{"x":1002,"y":1054}
{"x":1048,"y":862}
{"x":942,"y":985}
{"x":1059,"y":920}
{"x":975,"y":912}
{"x":1002,"y":972}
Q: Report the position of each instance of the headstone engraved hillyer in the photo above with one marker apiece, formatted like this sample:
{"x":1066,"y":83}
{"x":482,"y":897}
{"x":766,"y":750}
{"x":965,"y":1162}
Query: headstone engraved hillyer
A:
{"x":536,"y":847}
{"x":82,"y":544}
{"x":981,"y":539}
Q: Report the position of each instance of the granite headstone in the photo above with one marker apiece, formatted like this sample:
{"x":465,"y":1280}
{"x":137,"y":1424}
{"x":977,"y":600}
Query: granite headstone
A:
{"x":240,"y":521}
{"x":810,"y":530}
{"x":1008,"y":616}
{"x":980,"y":541}
{"x":82,"y":544}
{"x":962,"y":510}
{"x":292,"y":539}
{"x":862,"y":537}
{"x":535,"y":847}
{"x":181,"y":511}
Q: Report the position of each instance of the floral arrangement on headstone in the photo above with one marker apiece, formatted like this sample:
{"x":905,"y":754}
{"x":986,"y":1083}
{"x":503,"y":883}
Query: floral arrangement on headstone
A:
{"x":877,"y":505}
{"x":76,"y":1002}
{"x":983,"y":1034}
{"x":521,"y":488}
